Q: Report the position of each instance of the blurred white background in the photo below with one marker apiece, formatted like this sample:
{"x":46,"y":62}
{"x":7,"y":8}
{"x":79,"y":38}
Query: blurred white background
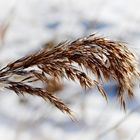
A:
{"x":25,"y":26}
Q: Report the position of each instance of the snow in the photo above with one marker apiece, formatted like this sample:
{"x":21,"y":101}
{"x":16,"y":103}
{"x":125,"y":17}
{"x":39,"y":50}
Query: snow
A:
{"x":35,"y":22}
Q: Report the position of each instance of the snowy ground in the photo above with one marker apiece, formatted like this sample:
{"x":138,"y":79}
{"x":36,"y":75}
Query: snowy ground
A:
{"x":35,"y":22}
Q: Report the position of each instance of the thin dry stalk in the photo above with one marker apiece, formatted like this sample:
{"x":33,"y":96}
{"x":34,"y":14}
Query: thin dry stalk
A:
{"x":106,"y":59}
{"x":125,"y":118}
{"x":5,"y":24}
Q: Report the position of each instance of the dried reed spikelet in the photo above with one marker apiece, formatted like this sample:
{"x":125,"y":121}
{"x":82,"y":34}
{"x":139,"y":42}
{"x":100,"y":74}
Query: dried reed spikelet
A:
{"x":105,"y":58}
{"x":54,"y":86}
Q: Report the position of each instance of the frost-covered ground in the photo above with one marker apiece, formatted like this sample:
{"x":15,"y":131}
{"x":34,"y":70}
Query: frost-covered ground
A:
{"x":35,"y":22}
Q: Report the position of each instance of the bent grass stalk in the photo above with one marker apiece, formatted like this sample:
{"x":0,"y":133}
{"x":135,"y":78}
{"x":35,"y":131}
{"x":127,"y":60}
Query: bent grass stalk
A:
{"x":106,"y":59}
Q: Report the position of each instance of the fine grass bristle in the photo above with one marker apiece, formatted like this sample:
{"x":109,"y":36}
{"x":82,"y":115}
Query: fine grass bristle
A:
{"x":105,"y":58}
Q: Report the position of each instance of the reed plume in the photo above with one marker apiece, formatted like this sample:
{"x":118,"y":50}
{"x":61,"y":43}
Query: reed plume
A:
{"x":106,"y":59}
